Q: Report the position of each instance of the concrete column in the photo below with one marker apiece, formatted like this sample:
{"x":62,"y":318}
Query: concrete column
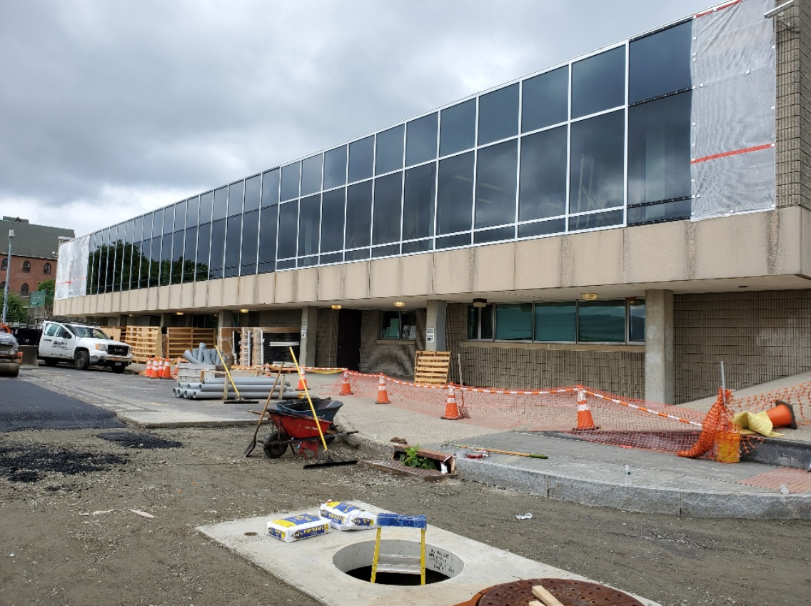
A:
{"x":225,"y":318}
{"x":309,"y":327}
{"x":660,"y":371}
{"x":435,"y":321}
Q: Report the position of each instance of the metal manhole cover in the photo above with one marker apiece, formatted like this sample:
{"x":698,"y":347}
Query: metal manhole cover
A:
{"x":568,"y":592}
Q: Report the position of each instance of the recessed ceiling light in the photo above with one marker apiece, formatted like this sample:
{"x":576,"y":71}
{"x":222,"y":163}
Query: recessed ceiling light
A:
{"x":589,"y":296}
{"x":244,"y":311}
{"x":335,"y":306}
{"x":399,"y":303}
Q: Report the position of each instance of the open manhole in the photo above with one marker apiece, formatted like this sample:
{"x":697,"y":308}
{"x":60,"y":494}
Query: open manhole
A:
{"x":356,"y":561}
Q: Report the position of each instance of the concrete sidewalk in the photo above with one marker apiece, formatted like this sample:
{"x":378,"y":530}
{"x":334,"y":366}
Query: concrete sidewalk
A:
{"x":576,"y":470}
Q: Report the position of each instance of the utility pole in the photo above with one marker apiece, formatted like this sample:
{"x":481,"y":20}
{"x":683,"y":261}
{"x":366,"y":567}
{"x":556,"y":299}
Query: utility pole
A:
{"x":8,"y":272}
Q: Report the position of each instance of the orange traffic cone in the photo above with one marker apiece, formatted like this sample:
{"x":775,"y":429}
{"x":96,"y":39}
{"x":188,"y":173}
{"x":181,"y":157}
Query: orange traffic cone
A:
{"x":346,"y":389}
{"x":302,"y":381}
{"x":585,"y":422}
{"x":148,"y":372}
{"x":157,"y":368}
{"x":451,"y":407}
{"x":167,"y":370}
{"x":782,"y":415}
{"x":382,"y":394}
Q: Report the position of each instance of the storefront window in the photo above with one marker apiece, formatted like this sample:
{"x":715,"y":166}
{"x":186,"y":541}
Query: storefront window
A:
{"x":399,"y":325}
{"x":514,"y":322}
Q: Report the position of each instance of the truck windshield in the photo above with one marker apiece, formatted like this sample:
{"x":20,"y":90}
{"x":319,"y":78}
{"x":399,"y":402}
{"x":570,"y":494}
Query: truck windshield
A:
{"x":86,"y":332}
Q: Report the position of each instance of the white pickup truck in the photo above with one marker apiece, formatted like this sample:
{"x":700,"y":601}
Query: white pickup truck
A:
{"x":83,"y":346}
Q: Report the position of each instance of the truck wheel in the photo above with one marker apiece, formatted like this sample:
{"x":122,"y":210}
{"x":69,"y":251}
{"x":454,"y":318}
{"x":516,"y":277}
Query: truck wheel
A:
{"x":118,"y":369}
{"x":9,"y":369}
{"x":51,"y":361}
{"x":81,"y":360}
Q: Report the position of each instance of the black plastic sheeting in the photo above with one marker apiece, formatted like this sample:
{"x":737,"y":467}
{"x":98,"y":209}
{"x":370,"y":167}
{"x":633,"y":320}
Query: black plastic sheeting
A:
{"x":24,"y":405}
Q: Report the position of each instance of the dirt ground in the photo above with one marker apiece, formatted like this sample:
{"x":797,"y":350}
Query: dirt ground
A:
{"x":54,"y":553}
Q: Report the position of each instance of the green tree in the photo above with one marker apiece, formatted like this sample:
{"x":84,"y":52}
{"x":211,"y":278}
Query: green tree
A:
{"x":49,"y":286}
{"x":17,"y":311}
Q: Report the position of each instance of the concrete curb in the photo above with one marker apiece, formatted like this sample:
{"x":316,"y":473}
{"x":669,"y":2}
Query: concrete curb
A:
{"x":668,"y":501}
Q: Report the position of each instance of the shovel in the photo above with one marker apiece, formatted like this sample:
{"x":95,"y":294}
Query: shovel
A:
{"x":252,"y":445}
{"x":239,"y":399}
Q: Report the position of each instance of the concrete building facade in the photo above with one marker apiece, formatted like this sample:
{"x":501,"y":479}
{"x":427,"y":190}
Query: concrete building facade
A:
{"x":613,"y":221}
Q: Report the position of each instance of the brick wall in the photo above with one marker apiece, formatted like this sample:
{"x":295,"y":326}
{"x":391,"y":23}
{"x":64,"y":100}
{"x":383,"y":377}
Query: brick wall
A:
{"x":326,"y":339}
{"x":395,"y":358}
{"x":32,"y":278}
{"x":760,"y":336}
{"x":793,"y":111}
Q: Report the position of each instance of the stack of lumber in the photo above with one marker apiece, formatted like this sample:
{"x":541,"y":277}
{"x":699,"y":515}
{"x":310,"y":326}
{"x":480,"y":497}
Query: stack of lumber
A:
{"x":146,"y":342}
{"x":431,"y":367}
{"x":179,"y":339}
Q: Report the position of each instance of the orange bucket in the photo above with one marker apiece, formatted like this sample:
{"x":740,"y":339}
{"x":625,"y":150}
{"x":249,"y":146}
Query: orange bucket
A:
{"x":727,"y":447}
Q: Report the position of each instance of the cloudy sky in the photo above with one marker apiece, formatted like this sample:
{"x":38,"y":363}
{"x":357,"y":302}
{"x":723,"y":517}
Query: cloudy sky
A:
{"x":112,"y":108}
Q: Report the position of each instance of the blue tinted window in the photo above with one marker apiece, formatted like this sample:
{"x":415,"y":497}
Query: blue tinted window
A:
{"x":598,"y":83}
{"x":389,"y":150}
{"x":270,"y":188}
{"x":498,"y":114}
{"x":546,"y":100}
{"x":542,"y":228}
{"x":332,"y":220}
{"x":252,"y":194}
{"x":288,"y":228}
{"x":290,"y":181}
{"x":421,"y":139}
{"x":220,"y":204}
{"x":455,"y":194}
{"x":309,"y":225}
{"x":496,"y":174}
{"x":666,"y":211}
{"x":311,"y":175}
{"x":206,"y":201}
{"x":494,"y":235}
{"x":514,"y":322}
{"x":418,"y":202}
{"x":335,"y":167}
{"x":595,"y":220}
{"x":659,"y":149}
{"x":358,"y":215}
{"x":235,"y":198}
{"x":636,"y":320}
{"x":556,"y":321}
{"x":233,"y":242}
{"x":190,"y":254}
{"x":192,"y":211}
{"x":217,"y":249}
{"x":543,"y":174}
{"x":203,"y":250}
{"x":180,"y":216}
{"x":457,"y":129}
{"x":361,"y":159}
{"x":177,"y":258}
{"x":168,"y":220}
{"x":388,"y":191}
{"x":601,"y":322}
{"x":250,"y":234}
{"x":267,"y":239}
{"x":157,"y":226}
{"x":660,"y":63}
{"x":597,"y":166}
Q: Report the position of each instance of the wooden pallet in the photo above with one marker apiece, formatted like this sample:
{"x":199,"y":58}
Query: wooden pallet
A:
{"x":181,"y":338}
{"x":146,"y":342}
{"x":431,"y":367}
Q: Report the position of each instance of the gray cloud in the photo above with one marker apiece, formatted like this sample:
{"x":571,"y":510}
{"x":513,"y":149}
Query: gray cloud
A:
{"x":113,"y":108}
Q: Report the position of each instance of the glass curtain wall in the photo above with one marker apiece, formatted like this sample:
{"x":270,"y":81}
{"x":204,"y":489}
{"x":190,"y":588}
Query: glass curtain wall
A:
{"x":602,"y":141}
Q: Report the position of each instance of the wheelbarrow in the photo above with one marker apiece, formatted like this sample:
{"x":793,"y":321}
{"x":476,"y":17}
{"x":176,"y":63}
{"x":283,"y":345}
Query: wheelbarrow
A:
{"x":299,"y":432}
{"x":325,"y":408}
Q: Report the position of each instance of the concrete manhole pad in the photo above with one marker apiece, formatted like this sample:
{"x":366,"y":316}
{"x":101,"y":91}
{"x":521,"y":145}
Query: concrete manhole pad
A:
{"x":310,"y":564}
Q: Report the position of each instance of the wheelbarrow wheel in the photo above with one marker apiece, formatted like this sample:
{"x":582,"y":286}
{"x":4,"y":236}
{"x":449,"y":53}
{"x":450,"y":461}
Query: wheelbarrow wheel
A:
{"x":273,"y":449}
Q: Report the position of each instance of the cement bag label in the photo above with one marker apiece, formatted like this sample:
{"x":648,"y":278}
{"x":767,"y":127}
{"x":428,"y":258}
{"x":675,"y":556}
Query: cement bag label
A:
{"x":296,"y":528}
{"x":345,"y":516}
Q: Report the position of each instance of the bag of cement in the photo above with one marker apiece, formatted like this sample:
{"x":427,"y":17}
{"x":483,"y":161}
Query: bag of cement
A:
{"x":345,"y":516}
{"x":298,"y":527}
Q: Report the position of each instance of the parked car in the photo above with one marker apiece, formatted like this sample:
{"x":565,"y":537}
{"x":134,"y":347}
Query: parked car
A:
{"x":9,"y":356}
{"x":81,"y":345}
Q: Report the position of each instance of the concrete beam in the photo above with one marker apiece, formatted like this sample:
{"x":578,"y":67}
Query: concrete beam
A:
{"x":660,"y":373}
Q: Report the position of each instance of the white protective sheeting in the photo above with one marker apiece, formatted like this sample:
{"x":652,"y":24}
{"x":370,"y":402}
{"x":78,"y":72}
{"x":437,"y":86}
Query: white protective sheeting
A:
{"x":733,"y":110}
{"x":71,"y":270}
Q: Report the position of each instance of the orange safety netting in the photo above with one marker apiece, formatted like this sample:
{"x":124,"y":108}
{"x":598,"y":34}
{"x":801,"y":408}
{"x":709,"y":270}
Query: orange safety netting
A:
{"x":589,"y":414}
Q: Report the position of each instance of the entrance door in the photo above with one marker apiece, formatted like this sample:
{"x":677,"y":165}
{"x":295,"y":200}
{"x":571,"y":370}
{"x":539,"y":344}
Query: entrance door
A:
{"x":349,"y":321}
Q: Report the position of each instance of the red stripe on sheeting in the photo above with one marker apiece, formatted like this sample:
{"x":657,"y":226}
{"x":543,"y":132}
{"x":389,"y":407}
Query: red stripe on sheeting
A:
{"x":733,"y":153}
{"x":718,"y":8}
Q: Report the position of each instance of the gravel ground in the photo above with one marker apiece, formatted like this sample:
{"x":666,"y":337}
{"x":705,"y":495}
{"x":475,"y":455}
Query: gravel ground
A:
{"x":69,"y":535}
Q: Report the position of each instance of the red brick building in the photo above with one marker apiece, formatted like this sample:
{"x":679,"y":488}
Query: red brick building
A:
{"x":33,"y":254}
